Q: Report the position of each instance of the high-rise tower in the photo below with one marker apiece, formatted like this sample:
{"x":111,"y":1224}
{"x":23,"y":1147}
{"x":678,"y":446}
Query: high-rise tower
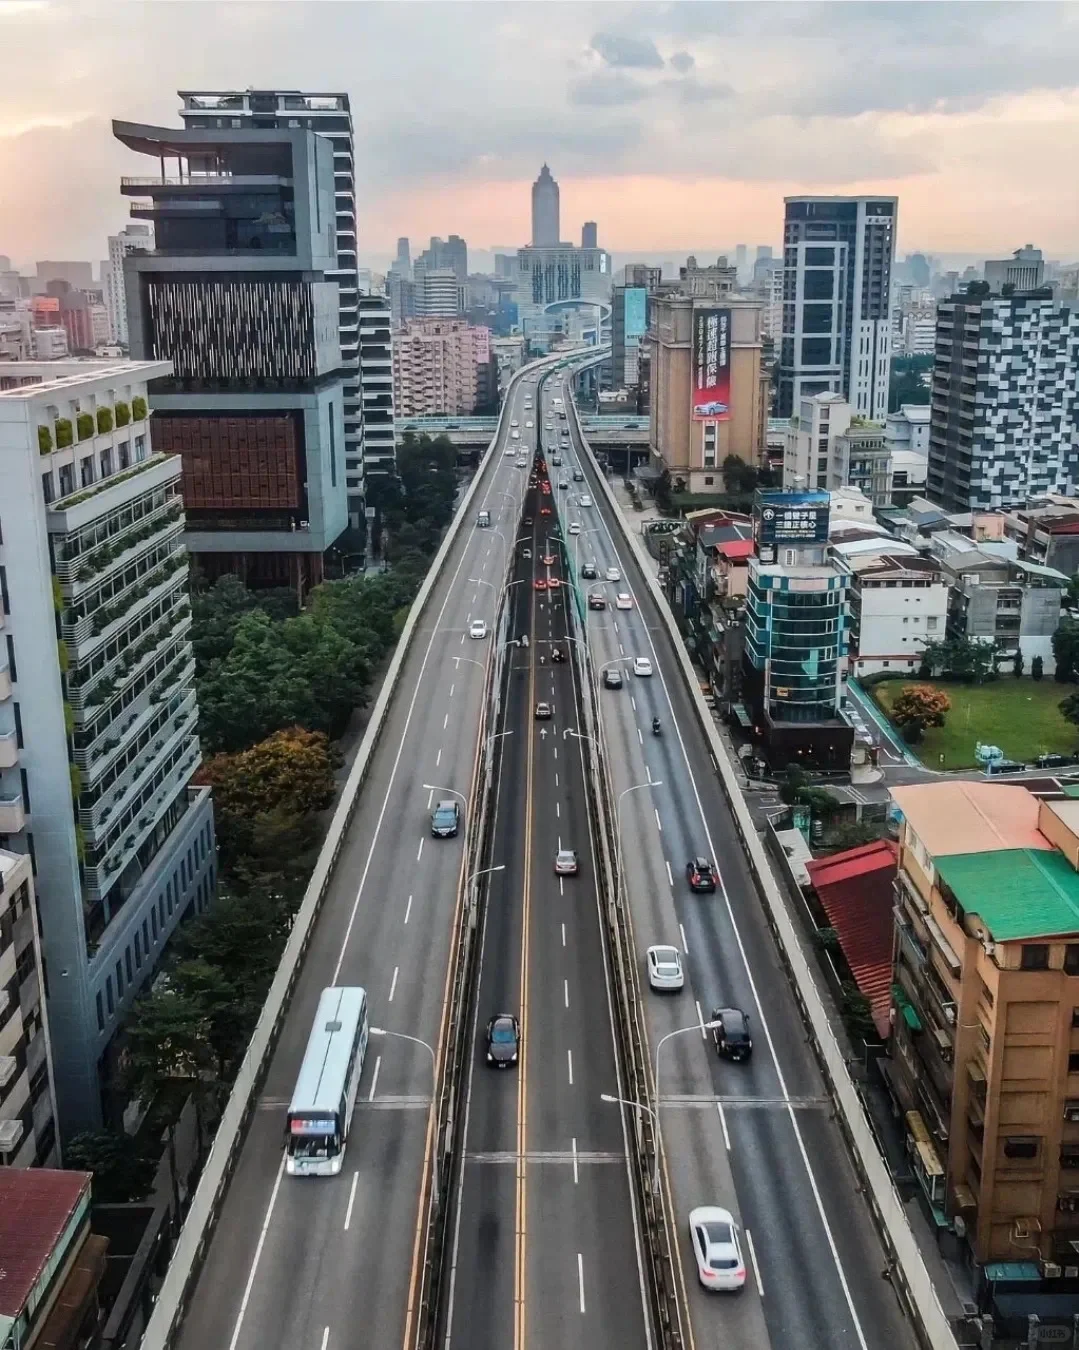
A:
{"x":545,"y":227}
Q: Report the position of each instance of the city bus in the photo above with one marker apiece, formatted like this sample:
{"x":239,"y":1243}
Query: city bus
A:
{"x":321,"y":1109}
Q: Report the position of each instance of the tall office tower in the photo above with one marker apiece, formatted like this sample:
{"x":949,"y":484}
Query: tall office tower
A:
{"x":241,"y":293}
{"x":404,"y":256}
{"x":376,"y":362}
{"x":132,"y":238}
{"x":763,"y":251}
{"x":437,"y":293}
{"x":402,"y":296}
{"x":741,"y":254}
{"x":838,"y":255}
{"x":98,"y":718}
{"x":545,"y":211}
{"x":328,"y":115}
{"x":1023,"y":271}
{"x":590,"y":234}
{"x":1004,"y":413}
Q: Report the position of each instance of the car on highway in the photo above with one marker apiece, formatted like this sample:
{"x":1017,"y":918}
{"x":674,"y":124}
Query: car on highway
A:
{"x":527,"y":520}
{"x":664,"y":968}
{"x":446,"y":819}
{"x":589,"y":571}
{"x":510,"y":450}
{"x":623,"y":601}
{"x":612,"y":574}
{"x":545,"y":510}
{"x":714,"y":1236}
{"x":730,"y":1034}
{"x":642,"y":667}
{"x":612,"y":678}
{"x":503,"y":1040}
{"x":584,"y":501}
{"x":548,"y":560}
{"x":575,"y":527}
{"x":556,"y":460}
{"x":544,"y":712}
{"x":553,"y":583}
{"x":522,"y":463}
{"x":515,"y":423}
{"x":527,"y":425}
{"x":540,"y":583}
{"x":578,"y":476}
{"x":557,"y":655}
{"x":515,"y":435}
{"x":565,"y":863}
{"x":701,"y":876}
{"x":526,"y":553}
{"x":563,"y":484}
{"x":477,"y":628}
{"x":597,"y":600}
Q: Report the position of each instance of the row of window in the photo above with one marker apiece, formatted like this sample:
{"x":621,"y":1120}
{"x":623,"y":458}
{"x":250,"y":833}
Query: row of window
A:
{"x":70,"y":478}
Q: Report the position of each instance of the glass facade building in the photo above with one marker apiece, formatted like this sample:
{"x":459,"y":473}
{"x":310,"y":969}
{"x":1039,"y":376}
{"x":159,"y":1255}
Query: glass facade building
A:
{"x":796,"y":620}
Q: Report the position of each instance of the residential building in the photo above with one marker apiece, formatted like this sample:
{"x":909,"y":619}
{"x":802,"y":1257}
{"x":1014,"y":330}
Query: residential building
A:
{"x":810,"y":457}
{"x":898,"y":604}
{"x":985,"y":1046}
{"x":28,"y":1134}
{"x":376,"y":367}
{"x":693,"y":447}
{"x":50,"y":343}
{"x":437,"y":367}
{"x":328,"y":115}
{"x":1047,"y":531}
{"x":1004,"y":421}
{"x":401,"y":291}
{"x":908,"y":429}
{"x":712,"y":282}
{"x":838,"y":255}
{"x":437,"y":293}
{"x":444,"y":254}
{"x":16,"y":331}
{"x":97,"y":688}
{"x":1023,"y":271}
{"x":641,"y":274}
{"x":241,"y":295}
{"x":590,"y":234}
{"x":545,"y":211}
{"x":134,"y":237}
{"x":52,"y":1262}
{"x":707,"y":580}
{"x":629,"y":324}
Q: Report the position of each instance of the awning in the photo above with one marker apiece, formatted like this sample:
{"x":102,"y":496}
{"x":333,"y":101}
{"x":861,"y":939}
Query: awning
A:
{"x":741,"y":716}
{"x":975,"y":1072}
{"x":964,"y":1197}
{"x":942,"y":944}
{"x":910,"y":1016}
{"x":1012,"y":1270}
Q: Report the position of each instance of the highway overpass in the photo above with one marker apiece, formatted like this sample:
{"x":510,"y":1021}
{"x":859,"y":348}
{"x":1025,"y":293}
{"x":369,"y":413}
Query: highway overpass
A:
{"x":476,"y":433}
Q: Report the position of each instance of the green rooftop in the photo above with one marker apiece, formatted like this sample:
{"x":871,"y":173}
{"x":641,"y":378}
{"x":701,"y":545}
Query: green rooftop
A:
{"x":1018,"y":892}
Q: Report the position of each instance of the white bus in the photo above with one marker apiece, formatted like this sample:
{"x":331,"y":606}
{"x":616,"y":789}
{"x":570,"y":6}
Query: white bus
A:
{"x":321,"y":1109}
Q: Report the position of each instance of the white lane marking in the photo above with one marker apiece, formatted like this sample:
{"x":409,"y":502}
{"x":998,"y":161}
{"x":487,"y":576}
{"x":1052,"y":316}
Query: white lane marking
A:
{"x":639,"y":736}
{"x":756,"y":1266}
{"x":351,"y":1199}
{"x":556,"y":752}
{"x":462,"y":639}
{"x":452,"y":688}
{"x":580,"y":1278}
{"x":393,"y":984}
{"x":408,"y":908}
{"x":700,"y":1019}
{"x":561,"y":886}
{"x":659,"y":823}
{"x":374,"y":1078}
{"x":438,"y":757}
{"x":569,"y":1061}
{"x":556,"y":780}
{"x":258,"y":1253}
{"x":670,"y":874}
{"x":723,"y":1122}
{"x":575,"y":1161}
{"x":563,"y":935}
{"x":419,"y":850}
{"x":445,"y":722}
{"x":565,"y":991}
{"x":621,"y":649}
{"x":685,"y":944}
{"x":633,"y":703}
{"x":430,"y":798}
{"x":325,"y":1337}
{"x":558,"y":811}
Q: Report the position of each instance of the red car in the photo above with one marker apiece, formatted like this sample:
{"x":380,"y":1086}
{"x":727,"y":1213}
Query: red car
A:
{"x":545,"y":510}
{"x":540,"y":584}
{"x":553,"y":583}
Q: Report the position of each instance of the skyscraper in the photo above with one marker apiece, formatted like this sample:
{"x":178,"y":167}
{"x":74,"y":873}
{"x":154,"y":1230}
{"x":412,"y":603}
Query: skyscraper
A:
{"x":404,"y":256}
{"x":589,"y":234}
{"x":838,"y":254}
{"x":545,"y":211}
{"x":131,"y":238}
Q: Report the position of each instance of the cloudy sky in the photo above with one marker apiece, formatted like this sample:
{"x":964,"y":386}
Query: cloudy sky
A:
{"x":673,"y":125}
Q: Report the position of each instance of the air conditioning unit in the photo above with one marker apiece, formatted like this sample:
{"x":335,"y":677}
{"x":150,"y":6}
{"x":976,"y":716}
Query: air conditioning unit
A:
{"x":10,"y":1134}
{"x":1050,"y":1270}
{"x":8,"y":1065}
{"x":1071,"y":1110}
{"x":1024,"y":1229}
{"x":1071,"y":1272}
{"x":949,"y":1014}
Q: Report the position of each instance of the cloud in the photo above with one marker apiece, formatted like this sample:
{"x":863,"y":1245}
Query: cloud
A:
{"x":607,"y":89}
{"x":682,"y":62}
{"x":697,"y":91}
{"x":633,"y":53}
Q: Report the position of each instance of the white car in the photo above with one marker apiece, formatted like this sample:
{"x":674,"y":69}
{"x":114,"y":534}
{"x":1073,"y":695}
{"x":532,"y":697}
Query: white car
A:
{"x":527,"y":425}
{"x":613,"y":574}
{"x":642,"y":666}
{"x":510,"y":450}
{"x":714,"y":1236}
{"x":622,"y":601}
{"x":584,"y":501}
{"x":515,"y":423}
{"x":665,"y":968}
{"x":522,"y":463}
{"x":575,"y":527}
{"x":477,"y":628}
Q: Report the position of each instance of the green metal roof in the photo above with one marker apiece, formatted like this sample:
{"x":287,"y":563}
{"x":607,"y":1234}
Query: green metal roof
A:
{"x":1019,"y":892}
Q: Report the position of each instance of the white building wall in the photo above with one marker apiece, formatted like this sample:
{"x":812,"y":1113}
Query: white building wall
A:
{"x":896,"y":624}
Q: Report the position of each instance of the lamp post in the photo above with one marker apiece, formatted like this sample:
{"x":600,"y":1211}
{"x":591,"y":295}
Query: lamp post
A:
{"x":416,"y":1040}
{"x":641,"y":1109}
{"x":635,"y":787}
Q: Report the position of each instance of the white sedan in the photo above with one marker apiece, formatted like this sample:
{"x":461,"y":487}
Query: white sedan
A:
{"x":527,"y":425}
{"x":613,"y":574}
{"x":575,"y":527}
{"x":664,"y":968}
{"x":584,"y":501}
{"x":714,"y":1236}
{"x":642,"y":666}
{"x":623,"y":601}
{"x":477,"y":628}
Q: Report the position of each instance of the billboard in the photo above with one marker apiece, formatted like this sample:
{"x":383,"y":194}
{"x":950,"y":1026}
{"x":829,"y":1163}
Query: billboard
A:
{"x":785,"y":518}
{"x":711,"y":365}
{"x":636,"y":311}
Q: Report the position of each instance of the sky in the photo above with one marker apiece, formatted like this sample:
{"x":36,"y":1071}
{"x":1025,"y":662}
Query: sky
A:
{"x":675,"y":126}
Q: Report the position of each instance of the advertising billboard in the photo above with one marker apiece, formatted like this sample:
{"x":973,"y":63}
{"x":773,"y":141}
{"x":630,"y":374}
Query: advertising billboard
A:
{"x":785,"y":518}
{"x":636,"y":299}
{"x":711,"y":365}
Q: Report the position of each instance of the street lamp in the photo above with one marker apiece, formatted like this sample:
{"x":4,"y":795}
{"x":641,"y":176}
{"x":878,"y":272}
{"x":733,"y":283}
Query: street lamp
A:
{"x":402,"y":1036}
{"x":640,"y":1107}
{"x":635,"y":787}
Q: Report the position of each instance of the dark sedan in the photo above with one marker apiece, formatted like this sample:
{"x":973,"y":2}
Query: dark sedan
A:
{"x":503,"y":1040}
{"x":730,"y":1033}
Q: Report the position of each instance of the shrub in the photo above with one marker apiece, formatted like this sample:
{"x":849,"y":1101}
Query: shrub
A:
{"x":44,"y":440}
{"x":84,"y":425}
{"x":104,"y":421}
{"x":123,"y":414}
{"x":138,"y":408}
{"x":64,"y":434}
{"x":1037,"y":668}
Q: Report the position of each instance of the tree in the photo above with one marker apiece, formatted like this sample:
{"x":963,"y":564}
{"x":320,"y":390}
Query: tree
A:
{"x":293,"y":768}
{"x":1037,"y":668}
{"x":966,"y":659}
{"x":122,"y":1172}
{"x":907,"y":383}
{"x":919,"y":706}
{"x":1071,"y":595}
{"x":1069,"y":708}
{"x":738,"y":476}
{"x":1066,"y":651}
{"x":1018,"y":664}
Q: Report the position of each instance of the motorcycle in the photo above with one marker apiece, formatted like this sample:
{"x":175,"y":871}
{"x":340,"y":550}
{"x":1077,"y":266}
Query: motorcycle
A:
{"x":656,"y":728}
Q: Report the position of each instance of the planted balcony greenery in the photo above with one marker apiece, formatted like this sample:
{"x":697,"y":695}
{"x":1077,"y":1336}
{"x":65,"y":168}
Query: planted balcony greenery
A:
{"x":44,"y":440}
{"x":84,"y":425}
{"x":66,"y":503}
{"x":64,"y":435}
{"x":104,"y":421}
{"x":123,"y":414}
{"x":138,"y":408}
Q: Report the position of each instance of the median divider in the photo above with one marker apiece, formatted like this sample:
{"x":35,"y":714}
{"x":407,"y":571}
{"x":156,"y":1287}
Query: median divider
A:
{"x":198,"y":1226}
{"x":907,"y":1269}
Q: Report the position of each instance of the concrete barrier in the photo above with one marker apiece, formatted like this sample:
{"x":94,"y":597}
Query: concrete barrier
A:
{"x":885,"y":1203}
{"x":199,"y":1223}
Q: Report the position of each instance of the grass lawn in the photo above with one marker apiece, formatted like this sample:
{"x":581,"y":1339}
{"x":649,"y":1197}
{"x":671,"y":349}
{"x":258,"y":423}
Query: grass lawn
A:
{"x":1021,"y":716}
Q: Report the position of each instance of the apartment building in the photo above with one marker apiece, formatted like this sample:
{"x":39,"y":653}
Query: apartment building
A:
{"x":376,"y":367}
{"x":28,"y":1134}
{"x":134,"y":237}
{"x":1047,"y":531}
{"x":985,"y":1044}
{"x":436,"y":367}
{"x":898,"y":605}
{"x":97,"y":701}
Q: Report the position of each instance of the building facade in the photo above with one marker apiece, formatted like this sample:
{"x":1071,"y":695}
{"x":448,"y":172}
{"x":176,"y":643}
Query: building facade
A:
{"x":1023,"y":271}
{"x":97,"y":685}
{"x":376,"y":367}
{"x":545,"y":211}
{"x":437,"y":293}
{"x":1004,"y":422}
{"x":838,"y":254}
{"x":898,"y":605}
{"x":132,"y":238}
{"x":439,"y":367}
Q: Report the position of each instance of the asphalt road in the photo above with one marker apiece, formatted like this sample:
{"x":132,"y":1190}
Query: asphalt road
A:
{"x":757,"y":1138}
{"x":545,"y":1247}
{"x":327,"y":1263}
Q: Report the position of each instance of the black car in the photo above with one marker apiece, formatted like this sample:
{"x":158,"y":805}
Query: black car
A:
{"x":445,"y":820}
{"x":503,"y":1040}
{"x":589,"y":572}
{"x":597,"y":600}
{"x":700,"y":875}
{"x":1052,"y":761}
{"x":528,"y":520}
{"x":578,"y":476}
{"x":731,"y":1034}
{"x":612,"y":678}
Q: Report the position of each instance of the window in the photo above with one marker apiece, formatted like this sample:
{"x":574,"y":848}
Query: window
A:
{"x":106,"y":462}
{"x":86,"y":471}
{"x":1022,"y":1146}
{"x":100,"y":1012}
{"x":1035,"y":956}
{"x":108,"y":994}
{"x":708,"y":480}
{"x":128,"y":965}
{"x":153,"y":922}
{"x":931,"y":623}
{"x":816,"y":351}
{"x":119,"y":981}
{"x":12,"y":670}
{"x":1073,"y":1063}
{"x":1071,"y":959}
{"x":138,"y":951}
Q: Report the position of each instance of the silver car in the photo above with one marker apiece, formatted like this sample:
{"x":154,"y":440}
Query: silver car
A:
{"x":665,"y":968}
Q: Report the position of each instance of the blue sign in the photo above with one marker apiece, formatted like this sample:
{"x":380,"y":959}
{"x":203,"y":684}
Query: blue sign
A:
{"x":789,"y":518}
{"x":636,"y":300}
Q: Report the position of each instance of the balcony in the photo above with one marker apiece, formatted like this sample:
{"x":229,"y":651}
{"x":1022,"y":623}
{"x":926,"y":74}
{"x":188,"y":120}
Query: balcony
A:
{"x":5,"y":683}
{"x":12,"y":814}
{"x":9,"y":749}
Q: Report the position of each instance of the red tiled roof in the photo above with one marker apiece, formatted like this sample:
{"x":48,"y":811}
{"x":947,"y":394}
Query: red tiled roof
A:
{"x":855,"y":890}
{"x":35,"y":1205}
{"x":736,"y":548}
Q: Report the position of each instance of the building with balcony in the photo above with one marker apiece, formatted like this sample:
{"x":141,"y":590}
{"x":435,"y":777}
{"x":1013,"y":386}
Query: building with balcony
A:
{"x":707,"y":580}
{"x":985,"y":1042}
{"x":134,"y":237}
{"x":28,"y":1134}
{"x":376,"y":368}
{"x":1047,"y":531}
{"x":97,"y":689}
{"x":240,"y":295}
{"x":438,"y":367}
